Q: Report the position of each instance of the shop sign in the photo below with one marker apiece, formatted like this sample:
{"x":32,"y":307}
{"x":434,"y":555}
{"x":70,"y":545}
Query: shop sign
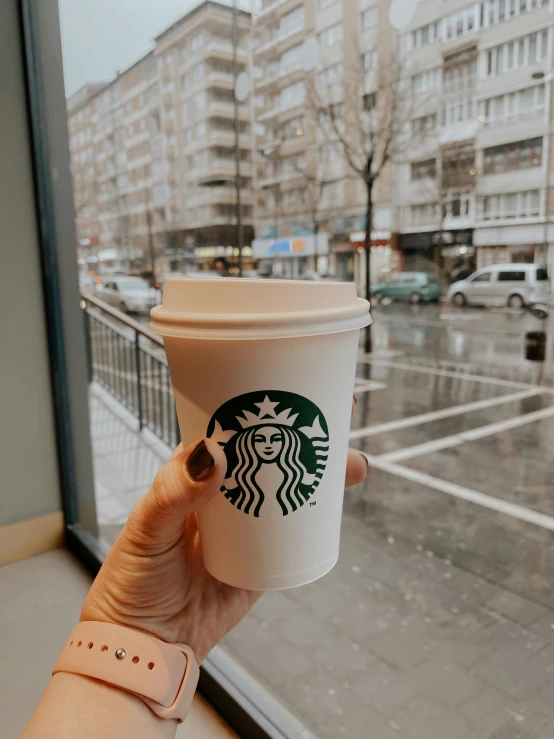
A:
{"x":293,"y":247}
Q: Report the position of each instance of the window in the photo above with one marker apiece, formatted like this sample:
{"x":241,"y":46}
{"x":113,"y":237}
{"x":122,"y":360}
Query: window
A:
{"x":511,"y":205}
{"x":425,"y":35}
{"x":330,"y":153}
{"x":197,"y":73}
{"x":457,"y":111}
{"x":423,"y":213}
{"x":322,"y":4}
{"x":369,"y":17}
{"x":196,"y":41}
{"x":516,"y":155}
{"x":330,"y":36}
{"x":333,"y":191}
{"x":460,"y":75}
{"x":290,"y":59}
{"x":521,"y":104}
{"x":292,"y":95}
{"x":542,"y":274}
{"x":496,"y":11}
{"x":294,"y":128}
{"x":460,"y":23}
{"x":517,"y":54}
{"x":483,"y":277}
{"x":424,"y":124}
{"x":426,"y":81}
{"x":200,"y":130}
{"x":292,"y":22}
{"x":369,"y":60}
{"x":512,"y":276}
{"x":423,"y":170}
{"x":330,"y":76}
{"x":294,"y":198}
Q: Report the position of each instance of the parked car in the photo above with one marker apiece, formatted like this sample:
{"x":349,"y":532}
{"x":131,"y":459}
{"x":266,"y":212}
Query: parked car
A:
{"x":130,"y":294}
{"x":415,"y":287}
{"x":514,"y":285}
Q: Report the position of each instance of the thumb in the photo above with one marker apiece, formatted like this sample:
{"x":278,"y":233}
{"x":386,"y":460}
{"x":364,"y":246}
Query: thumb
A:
{"x":184,"y":484}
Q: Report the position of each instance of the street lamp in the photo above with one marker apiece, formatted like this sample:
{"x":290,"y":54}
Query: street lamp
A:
{"x":547,"y":79}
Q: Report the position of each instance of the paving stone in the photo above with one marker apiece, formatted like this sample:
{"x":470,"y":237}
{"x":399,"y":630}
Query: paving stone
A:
{"x":427,"y":717}
{"x":345,"y":659}
{"x":448,"y":681}
{"x":517,"y":609}
{"x":383,"y":687}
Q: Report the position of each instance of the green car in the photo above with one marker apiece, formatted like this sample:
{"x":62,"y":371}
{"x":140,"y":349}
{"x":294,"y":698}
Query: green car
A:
{"x":415,"y":287}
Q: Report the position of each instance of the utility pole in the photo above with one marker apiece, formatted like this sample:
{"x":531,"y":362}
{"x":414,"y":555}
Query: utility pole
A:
{"x":235,"y":32}
{"x":151,"y":247}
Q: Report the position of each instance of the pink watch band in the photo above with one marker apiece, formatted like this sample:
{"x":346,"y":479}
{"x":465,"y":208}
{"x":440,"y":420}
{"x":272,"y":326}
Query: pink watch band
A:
{"x":163,"y":675}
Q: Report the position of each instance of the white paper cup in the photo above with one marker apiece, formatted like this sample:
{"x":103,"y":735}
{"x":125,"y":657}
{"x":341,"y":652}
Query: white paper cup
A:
{"x":267,"y":367}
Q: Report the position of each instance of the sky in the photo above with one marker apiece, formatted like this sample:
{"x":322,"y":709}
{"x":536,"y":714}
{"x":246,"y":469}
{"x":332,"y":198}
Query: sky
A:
{"x":100,"y":37}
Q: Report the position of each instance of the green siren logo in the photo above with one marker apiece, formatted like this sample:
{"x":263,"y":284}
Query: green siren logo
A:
{"x":276,"y":444}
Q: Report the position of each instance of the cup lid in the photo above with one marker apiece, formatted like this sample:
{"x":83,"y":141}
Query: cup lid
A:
{"x":232,"y":308}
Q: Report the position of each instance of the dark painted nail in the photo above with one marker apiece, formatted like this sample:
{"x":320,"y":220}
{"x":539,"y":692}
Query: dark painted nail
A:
{"x":355,"y":402}
{"x":366,"y":460}
{"x":200,"y":463}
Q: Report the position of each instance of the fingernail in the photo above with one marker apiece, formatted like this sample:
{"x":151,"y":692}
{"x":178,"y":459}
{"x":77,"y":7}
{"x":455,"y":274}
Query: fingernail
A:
{"x":366,"y":460}
{"x":355,"y":402}
{"x":200,"y":463}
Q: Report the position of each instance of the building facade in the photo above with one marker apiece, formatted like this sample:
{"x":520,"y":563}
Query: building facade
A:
{"x":153,"y":154}
{"x":303,"y":182}
{"x":476,"y":186}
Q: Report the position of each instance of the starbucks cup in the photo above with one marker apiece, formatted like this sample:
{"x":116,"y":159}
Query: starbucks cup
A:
{"x":266,"y":368}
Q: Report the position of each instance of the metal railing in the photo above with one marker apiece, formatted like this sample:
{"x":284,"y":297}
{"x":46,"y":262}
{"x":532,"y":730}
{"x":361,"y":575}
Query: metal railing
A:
{"x":129,"y":361}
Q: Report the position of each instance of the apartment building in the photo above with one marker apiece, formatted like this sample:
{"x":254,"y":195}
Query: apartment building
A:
{"x":195,"y":68}
{"x":310,"y":207}
{"x":476,"y":185}
{"x":153,"y":151}
{"x":82,"y":125}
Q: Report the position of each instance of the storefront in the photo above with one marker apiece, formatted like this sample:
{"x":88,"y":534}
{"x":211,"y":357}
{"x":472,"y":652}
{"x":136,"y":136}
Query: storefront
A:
{"x":516,"y":243}
{"x":292,"y":257}
{"x":348,"y":255}
{"x":438,"y":252}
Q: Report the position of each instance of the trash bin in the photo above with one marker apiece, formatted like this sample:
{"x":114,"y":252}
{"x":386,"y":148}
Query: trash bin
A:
{"x":535,"y":346}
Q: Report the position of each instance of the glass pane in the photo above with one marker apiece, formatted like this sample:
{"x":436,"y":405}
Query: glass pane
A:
{"x":422,"y":581}
{"x":511,"y":277}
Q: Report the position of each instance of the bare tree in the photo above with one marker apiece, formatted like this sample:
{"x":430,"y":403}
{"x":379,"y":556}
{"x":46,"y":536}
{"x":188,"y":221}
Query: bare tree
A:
{"x":369,"y":122}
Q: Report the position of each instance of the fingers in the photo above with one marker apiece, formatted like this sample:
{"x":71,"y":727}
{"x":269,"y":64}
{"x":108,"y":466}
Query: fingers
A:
{"x":184,"y":484}
{"x":356,"y":468}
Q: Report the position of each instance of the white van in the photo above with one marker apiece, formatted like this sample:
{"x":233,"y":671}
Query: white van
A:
{"x":514,"y":285}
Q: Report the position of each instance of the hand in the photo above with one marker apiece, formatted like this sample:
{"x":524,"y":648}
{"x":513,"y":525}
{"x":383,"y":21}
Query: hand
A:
{"x":154,"y":578}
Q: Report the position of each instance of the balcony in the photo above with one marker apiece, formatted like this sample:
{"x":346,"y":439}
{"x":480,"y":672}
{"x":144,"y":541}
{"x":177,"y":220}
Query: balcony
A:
{"x":228,"y":137}
{"x":224,"y":79}
{"x":271,"y":113}
{"x":219,"y":169}
{"x":269,"y":9}
{"x":278,"y":38}
{"x":224,"y":49}
{"x":280,"y":76}
{"x":227,"y":110}
{"x":218,"y":196}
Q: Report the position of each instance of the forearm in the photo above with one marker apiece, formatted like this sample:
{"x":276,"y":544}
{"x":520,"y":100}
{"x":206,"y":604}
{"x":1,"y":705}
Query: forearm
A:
{"x":82,"y":708}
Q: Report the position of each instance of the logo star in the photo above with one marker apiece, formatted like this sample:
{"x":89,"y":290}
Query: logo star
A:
{"x":267,"y":408}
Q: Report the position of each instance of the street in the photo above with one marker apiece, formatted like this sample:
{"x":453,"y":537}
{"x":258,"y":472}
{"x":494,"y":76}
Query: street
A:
{"x":438,"y":619}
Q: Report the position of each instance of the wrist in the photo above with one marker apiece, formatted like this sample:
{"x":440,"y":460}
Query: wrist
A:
{"x":164,"y":676}
{"x":95,"y":705}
